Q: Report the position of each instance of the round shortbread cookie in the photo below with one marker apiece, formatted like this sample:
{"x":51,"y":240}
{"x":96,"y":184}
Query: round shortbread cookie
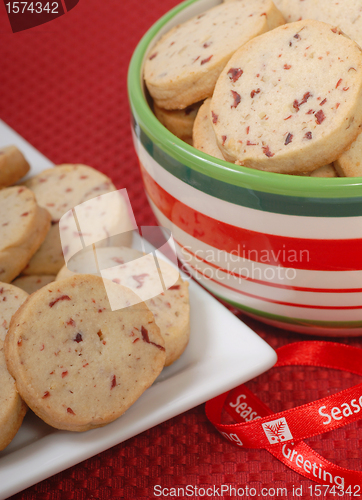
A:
{"x":13,"y":165}
{"x":62,"y":188}
{"x":324,"y":171}
{"x":171,"y":311}
{"x":12,"y":408}
{"x":49,"y":258}
{"x":82,"y":263}
{"x":136,"y":271}
{"x":23,"y":229}
{"x":31,"y":284}
{"x":78,"y":364}
{"x":275,"y":110}
{"x":346,"y":15}
{"x":203,"y":134}
{"x":178,"y":121}
{"x":349,"y":164}
{"x":182,"y":68}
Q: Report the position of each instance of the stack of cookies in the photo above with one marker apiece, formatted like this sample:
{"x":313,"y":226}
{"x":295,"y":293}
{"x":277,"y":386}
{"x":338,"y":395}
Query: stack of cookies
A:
{"x":276,"y":90}
{"x":78,"y":344}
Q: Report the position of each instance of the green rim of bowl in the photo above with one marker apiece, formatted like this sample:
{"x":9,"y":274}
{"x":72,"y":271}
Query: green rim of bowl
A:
{"x":289,"y":185}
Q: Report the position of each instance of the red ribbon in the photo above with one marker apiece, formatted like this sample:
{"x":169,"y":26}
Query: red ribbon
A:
{"x":282,"y":433}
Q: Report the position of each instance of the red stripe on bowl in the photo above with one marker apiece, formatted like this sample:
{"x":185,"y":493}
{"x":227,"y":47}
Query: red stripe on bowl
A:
{"x":269,"y":249}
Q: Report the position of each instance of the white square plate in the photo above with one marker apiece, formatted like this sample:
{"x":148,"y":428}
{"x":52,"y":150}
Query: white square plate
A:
{"x":222,"y":353}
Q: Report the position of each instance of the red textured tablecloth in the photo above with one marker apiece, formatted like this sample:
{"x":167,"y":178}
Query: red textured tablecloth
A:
{"x":63,"y":88}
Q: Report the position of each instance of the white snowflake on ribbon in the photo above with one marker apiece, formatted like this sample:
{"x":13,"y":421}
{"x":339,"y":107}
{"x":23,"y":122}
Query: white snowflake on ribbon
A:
{"x":277,"y":431}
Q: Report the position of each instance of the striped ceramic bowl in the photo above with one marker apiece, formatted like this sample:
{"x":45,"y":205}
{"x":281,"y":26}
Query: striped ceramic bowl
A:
{"x":284,"y":249}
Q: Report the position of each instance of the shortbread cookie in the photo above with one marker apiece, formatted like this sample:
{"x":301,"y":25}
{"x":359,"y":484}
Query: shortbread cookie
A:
{"x":324,"y":171}
{"x":269,"y":116}
{"x":349,"y":164}
{"x":171,"y":311}
{"x":82,"y":263}
{"x":127,"y":266}
{"x":346,"y":15}
{"x":78,"y":364}
{"x":12,"y":408}
{"x":182,"y":68}
{"x":13,"y":166}
{"x":130,"y":268}
{"x":62,"y":188}
{"x":49,"y":258}
{"x":178,"y":121}
{"x":23,"y":228}
{"x":203,"y":134}
{"x":31,"y":284}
